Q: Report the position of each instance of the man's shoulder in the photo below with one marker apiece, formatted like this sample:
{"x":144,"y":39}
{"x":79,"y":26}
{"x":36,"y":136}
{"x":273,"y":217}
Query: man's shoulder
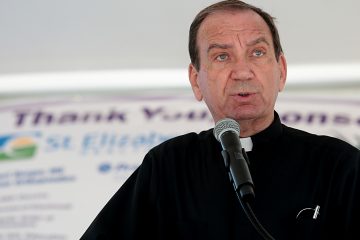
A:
{"x":317,"y":140}
{"x":183,"y":149}
{"x":186,"y":141}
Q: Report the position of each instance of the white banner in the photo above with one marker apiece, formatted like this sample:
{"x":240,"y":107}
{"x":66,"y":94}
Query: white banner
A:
{"x":62,"y":158}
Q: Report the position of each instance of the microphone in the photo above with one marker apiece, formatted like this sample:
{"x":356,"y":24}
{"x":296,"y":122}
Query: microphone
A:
{"x":227,"y":132}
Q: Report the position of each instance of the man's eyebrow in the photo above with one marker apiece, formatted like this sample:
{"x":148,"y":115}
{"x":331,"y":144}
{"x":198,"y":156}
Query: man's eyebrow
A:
{"x":218,"y":45}
{"x":258,"y":40}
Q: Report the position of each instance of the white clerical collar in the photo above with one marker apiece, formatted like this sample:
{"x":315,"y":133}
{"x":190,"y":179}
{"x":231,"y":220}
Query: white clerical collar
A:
{"x":246,"y":143}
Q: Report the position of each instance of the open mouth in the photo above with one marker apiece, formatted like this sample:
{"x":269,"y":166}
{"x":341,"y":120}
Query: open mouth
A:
{"x":244,"y":94}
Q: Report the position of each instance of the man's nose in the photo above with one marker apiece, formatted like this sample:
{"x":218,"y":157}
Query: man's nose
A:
{"x":241,"y":70}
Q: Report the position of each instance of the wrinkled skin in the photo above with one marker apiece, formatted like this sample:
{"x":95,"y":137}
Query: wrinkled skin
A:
{"x":239,"y":76}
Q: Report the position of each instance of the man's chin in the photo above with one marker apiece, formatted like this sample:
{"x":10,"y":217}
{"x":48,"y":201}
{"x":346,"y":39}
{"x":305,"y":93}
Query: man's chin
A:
{"x":245,"y":115}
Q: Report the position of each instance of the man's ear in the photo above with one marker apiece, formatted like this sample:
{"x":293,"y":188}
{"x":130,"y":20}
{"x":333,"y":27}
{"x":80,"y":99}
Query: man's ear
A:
{"x":283,"y":71}
{"x":193,"y":78}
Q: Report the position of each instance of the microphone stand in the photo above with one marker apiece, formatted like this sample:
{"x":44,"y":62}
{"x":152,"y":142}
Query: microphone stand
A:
{"x":243,"y":187}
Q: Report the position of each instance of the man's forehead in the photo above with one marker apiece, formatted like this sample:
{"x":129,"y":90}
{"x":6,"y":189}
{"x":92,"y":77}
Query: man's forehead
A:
{"x":226,"y":23}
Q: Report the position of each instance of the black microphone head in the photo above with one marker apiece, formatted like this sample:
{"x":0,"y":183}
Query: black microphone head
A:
{"x":224,"y":125}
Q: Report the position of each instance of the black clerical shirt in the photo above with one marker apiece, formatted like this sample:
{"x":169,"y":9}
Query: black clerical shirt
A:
{"x":306,"y":187}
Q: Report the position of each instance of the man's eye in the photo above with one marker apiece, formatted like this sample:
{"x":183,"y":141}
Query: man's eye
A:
{"x":222,"y":57}
{"x":258,"y":53}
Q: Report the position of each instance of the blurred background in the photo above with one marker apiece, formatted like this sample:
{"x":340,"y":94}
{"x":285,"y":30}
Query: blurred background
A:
{"x":88,"y":87}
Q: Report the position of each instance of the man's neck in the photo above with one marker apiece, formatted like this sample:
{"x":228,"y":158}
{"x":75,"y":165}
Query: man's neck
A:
{"x":250,"y":127}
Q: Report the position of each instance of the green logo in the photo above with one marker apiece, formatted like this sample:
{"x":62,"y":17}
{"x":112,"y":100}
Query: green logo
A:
{"x":18,"y":146}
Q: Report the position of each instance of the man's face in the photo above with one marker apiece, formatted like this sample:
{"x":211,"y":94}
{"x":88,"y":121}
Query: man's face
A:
{"x":239,"y":76}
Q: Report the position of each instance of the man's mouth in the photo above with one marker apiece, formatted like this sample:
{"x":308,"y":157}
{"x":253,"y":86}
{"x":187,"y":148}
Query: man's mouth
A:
{"x":243,"y":94}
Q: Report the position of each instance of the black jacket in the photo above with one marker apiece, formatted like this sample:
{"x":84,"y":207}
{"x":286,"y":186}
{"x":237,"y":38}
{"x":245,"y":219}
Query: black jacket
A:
{"x":182,"y":191}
